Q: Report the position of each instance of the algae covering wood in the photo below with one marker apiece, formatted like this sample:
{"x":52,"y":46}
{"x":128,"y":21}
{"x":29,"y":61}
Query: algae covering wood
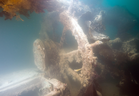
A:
{"x":12,"y":8}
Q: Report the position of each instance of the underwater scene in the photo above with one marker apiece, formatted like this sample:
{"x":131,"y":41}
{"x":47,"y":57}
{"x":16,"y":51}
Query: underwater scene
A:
{"x":69,"y":48}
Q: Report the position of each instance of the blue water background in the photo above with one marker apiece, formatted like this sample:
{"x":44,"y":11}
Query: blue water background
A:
{"x":131,"y":5}
{"x":16,"y":42}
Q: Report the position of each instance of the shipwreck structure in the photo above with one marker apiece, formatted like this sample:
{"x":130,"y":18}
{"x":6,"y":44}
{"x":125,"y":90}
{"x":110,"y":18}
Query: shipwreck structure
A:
{"x":73,"y":72}
{"x":53,"y":64}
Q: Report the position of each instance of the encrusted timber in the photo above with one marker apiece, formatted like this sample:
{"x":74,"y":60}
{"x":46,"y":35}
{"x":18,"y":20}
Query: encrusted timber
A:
{"x":73,"y":55}
{"x":68,"y":58}
{"x":84,"y":48}
{"x":59,"y":88}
